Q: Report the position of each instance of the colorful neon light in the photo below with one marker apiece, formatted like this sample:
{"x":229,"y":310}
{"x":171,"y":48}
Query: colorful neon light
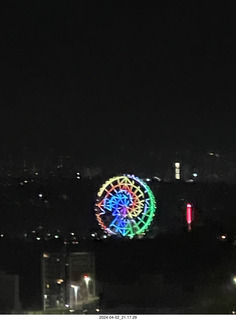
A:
{"x":125,"y":206}
{"x":189,"y":213}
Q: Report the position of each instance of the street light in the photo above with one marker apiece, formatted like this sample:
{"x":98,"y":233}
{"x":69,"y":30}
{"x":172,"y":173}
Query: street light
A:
{"x":234,"y":280}
{"x":75,"y":293}
{"x":87,"y":279}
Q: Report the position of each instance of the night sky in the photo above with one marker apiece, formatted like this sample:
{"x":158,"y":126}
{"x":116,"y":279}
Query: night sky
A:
{"x":117,"y":80}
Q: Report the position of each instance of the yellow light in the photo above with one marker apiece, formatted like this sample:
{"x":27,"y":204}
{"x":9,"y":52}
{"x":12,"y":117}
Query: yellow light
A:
{"x":177,"y":165}
{"x":59,"y":281}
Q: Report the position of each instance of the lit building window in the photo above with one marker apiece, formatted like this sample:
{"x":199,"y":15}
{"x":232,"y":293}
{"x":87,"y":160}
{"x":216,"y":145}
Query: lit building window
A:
{"x":177,"y":170}
{"x":177,"y":165}
{"x":60,"y":281}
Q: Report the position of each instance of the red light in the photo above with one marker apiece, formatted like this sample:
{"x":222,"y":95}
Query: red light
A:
{"x":85,"y":276}
{"x":189,"y":215}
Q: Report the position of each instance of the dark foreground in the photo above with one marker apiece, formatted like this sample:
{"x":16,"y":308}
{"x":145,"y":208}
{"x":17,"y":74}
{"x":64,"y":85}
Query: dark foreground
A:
{"x":173,"y":273}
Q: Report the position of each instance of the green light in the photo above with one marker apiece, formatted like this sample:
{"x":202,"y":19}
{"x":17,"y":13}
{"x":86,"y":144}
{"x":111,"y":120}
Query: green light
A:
{"x":125,"y":205}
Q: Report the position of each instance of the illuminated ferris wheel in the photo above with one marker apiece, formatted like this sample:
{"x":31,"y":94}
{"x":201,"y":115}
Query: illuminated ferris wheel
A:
{"x":125,"y":205}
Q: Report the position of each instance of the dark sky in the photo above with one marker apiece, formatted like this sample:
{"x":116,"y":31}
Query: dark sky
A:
{"x":106,"y":79}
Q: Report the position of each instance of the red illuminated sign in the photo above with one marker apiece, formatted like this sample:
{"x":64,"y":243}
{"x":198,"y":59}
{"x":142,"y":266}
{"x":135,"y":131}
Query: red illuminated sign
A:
{"x":189,"y":213}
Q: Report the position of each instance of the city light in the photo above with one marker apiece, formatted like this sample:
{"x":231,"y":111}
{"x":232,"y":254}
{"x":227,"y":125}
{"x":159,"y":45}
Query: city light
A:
{"x":76,"y":288}
{"x":87,"y":279}
{"x":131,"y":203}
{"x":189,"y":213}
{"x":60,"y":281}
{"x":189,"y":216}
{"x":157,"y":178}
{"x":177,"y":170}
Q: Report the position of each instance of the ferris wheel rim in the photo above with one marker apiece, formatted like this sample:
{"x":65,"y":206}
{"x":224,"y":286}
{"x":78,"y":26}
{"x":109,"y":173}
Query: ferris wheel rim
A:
{"x":114,"y":200}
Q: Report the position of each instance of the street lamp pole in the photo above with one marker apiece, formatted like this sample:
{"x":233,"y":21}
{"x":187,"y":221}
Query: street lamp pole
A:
{"x":87,"y":279}
{"x":75,"y":293}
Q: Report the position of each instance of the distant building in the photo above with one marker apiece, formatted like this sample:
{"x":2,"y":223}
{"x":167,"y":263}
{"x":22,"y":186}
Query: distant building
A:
{"x":177,"y":170}
{"x":68,"y":280}
{"x":9,"y":293}
{"x":54,"y":280}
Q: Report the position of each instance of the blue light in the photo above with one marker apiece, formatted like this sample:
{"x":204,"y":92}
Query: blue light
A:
{"x":119,"y":202}
{"x":125,"y":206}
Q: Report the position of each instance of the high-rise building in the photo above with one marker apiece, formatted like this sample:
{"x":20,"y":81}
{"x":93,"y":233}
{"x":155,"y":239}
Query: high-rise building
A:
{"x":68,"y":280}
{"x":54,"y":280}
{"x":81,"y":272}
